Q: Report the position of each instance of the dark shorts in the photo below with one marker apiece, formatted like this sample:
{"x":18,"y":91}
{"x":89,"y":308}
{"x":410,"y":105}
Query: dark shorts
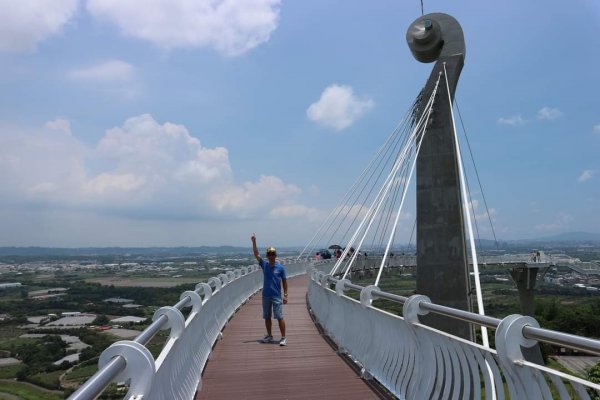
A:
{"x":274,"y":303}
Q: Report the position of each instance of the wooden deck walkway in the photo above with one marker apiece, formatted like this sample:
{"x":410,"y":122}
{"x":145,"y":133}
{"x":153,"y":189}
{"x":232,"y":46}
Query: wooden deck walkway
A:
{"x":243,"y":368}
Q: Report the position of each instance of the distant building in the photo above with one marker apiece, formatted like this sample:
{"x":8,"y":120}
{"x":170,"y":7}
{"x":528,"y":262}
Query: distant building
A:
{"x":71,"y":358}
{"x":9,"y":285}
{"x":129,"y":319}
{"x":47,"y":296}
{"x":118,"y":300}
{"x":132,"y":306}
{"x":46,"y":292}
{"x":78,"y":320}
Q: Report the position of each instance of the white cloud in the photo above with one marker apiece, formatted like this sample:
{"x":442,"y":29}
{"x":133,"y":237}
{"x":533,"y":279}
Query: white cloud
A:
{"x":109,"y":71}
{"x":255,"y":198}
{"x":106,"y":182}
{"x":514,"y":120}
{"x":596,"y":128}
{"x":586,"y":175}
{"x":59,"y":124}
{"x":141,"y":169}
{"x":549,"y":114}
{"x":25,"y":23}
{"x":295,"y":211}
{"x":484,"y":216}
{"x":338,"y":107}
{"x":560,"y":222}
{"x":357,"y":211}
{"x":232,"y":27}
{"x":113,"y":78}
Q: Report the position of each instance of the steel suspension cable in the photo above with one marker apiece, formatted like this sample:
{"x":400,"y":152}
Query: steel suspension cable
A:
{"x":383,"y":224}
{"x":402,"y":179}
{"x":388,"y":185}
{"x":371,"y":214}
{"x":383,"y":192}
{"x":353,"y":187}
{"x":387,"y":249}
{"x":374,"y":183}
{"x":468,"y":218}
{"x":352,"y":190}
{"x":385,"y":147}
{"x":476,"y":172}
{"x":473,"y":209}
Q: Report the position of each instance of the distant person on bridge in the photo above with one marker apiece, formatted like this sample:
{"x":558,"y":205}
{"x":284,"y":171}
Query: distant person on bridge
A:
{"x":274,"y":277}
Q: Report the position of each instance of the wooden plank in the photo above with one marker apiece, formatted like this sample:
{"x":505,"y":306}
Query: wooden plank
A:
{"x":241,"y":367}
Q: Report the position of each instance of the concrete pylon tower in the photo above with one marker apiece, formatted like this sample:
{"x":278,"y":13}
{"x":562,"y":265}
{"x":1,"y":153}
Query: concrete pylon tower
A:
{"x":442,"y":263}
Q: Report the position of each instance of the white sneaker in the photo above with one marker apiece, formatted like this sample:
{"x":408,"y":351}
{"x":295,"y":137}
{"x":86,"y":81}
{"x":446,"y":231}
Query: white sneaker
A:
{"x":283,"y":341}
{"x":267,"y":339}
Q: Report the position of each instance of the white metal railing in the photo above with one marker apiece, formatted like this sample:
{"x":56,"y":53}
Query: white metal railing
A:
{"x":411,"y":360}
{"x":415,"y":361}
{"x":175,"y":374}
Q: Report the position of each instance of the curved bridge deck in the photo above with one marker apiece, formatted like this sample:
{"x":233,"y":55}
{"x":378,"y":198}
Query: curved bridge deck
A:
{"x":241,"y":367}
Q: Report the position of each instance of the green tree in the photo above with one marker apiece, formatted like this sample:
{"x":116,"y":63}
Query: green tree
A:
{"x":101,"y":319}
{"x":594,"y":376}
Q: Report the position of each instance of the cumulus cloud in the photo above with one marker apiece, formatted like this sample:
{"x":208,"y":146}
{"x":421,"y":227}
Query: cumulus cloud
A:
{"x":141,"y":169}
{"x":37,"y":163}
{"x":586,"y":175}
{"x":232,"y":27}
{"x":250,"y":199}
{"x":514,"y":120}
{"x":338,"y":107}
{"x":548,"y":113}
{"x":109,"y":71}
{"x":106,"y":182}
{"x":25,"y":23}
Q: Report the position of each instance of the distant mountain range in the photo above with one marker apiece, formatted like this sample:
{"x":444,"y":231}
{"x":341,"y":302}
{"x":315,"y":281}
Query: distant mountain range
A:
{"x":125,"y":251}
{"x":567,"y":237}
{"x":572,"y":237}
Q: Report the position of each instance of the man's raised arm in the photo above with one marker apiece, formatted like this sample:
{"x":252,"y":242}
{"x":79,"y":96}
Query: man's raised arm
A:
{"x":254,"y":248}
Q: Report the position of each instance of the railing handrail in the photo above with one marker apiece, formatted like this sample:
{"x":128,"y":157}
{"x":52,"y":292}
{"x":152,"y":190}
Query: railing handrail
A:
{"x":413,"y":360}
{"x":527,"y":327}
{"x":94,"y":386}
{"x":111,"y":369}
{"x":549,"y":336}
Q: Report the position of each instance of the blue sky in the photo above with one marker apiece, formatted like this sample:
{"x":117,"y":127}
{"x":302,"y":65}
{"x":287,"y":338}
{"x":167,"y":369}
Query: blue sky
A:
{"x":173,"y":122}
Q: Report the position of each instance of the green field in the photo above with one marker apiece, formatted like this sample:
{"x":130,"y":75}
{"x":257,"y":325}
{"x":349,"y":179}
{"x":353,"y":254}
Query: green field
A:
{"x":162,"y":282}
{"x":47,"y":379}
{"x":11,"y":344}
{"x":27,"y":391}
{"x":10,"y":371}
{"x":82,"y":373}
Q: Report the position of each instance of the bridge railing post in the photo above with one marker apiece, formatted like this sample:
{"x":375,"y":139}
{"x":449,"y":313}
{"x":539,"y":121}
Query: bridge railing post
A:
{"x":139,"y":369}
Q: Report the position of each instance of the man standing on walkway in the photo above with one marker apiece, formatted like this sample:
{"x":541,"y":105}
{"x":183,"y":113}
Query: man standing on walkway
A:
{"x":274,"y":279}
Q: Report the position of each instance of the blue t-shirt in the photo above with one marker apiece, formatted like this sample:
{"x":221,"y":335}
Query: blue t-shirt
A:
{"x":272,"y":278}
